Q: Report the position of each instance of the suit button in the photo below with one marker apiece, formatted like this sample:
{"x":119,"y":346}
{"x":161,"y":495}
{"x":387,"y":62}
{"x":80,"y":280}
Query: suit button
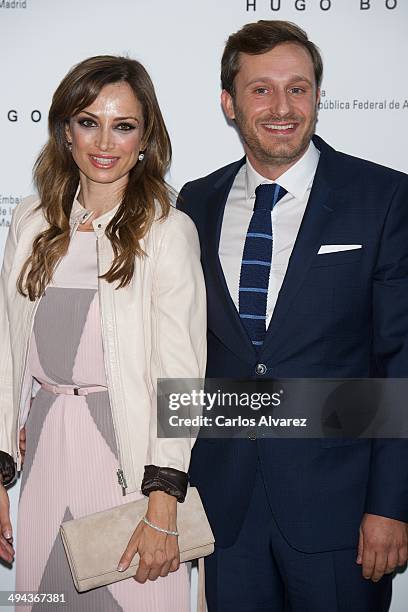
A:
{"x":260,"y":369}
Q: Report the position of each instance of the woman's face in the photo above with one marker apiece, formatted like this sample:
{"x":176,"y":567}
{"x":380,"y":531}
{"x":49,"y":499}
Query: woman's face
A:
{"x":107,"y":135}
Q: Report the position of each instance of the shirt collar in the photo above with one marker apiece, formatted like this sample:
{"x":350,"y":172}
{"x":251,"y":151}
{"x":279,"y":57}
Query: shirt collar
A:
{"x":296,"y":180}
{"x":79,"y":213}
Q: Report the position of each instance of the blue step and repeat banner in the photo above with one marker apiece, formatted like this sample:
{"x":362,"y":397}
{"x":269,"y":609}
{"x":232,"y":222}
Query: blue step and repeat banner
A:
{"x":364,"y":104}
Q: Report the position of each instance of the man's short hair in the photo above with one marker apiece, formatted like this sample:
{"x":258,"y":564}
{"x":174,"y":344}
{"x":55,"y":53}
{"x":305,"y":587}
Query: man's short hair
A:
{"x":260,"y":37}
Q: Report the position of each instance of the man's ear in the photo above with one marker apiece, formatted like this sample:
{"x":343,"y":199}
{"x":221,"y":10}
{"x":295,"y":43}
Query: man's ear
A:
{"x":227,"y":103}
{"x":317,"y":97}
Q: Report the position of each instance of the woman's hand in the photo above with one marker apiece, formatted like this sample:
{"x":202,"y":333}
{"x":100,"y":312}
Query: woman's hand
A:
{"x":159,"y":553}
{"x":6,"y":532}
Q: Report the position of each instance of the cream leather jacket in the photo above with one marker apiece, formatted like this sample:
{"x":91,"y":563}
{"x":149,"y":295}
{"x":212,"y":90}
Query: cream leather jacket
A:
{"x":153,"y":328}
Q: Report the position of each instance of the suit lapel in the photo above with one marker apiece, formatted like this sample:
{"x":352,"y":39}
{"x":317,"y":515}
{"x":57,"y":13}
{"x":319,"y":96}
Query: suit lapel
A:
{"x":319,"y":212}
{"x":223,"y":318}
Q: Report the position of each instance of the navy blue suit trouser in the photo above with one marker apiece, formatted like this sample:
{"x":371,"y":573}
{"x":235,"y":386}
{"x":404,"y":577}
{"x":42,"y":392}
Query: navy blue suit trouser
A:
{"x":260,"y":572}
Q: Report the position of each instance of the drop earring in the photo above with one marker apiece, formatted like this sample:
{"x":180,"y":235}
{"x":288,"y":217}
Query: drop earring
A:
{"x":141,"y":156}
{"x":69,"y":145}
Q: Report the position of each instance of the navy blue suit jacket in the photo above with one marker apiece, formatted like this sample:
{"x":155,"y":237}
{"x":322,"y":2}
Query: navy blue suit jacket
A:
{"x":341,"y":314}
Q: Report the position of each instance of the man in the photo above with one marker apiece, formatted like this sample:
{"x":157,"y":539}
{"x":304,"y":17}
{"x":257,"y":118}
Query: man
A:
{"x":300,"y":525}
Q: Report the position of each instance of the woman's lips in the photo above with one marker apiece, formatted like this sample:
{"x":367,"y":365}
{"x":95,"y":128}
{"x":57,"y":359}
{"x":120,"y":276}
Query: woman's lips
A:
{"x":101,"y":161}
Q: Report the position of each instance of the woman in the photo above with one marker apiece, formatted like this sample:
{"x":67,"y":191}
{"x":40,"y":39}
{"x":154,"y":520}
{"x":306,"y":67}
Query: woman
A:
{"x":102,"y":294}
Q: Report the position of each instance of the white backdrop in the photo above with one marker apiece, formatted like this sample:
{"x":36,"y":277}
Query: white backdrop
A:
{"x":364,"y":100}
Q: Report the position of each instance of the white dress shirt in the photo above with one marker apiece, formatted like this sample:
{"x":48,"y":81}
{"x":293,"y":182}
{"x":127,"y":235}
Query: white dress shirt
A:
{"x":286,"y":219}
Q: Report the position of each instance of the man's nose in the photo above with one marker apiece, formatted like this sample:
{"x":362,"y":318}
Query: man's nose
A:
{"x":280,"y":102}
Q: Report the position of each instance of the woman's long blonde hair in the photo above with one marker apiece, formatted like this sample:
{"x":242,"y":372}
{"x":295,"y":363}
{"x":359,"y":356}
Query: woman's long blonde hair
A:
{"x":56,"y":175}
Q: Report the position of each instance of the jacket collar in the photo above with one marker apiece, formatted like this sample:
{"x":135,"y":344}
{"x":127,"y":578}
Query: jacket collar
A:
{"x":80,"y":214}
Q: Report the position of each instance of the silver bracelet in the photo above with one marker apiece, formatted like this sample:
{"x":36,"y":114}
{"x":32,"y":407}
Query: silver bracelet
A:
{"x":168,"y":531}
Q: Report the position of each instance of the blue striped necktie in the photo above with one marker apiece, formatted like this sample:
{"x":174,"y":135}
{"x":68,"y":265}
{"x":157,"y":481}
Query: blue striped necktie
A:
{"x":256,"y":263}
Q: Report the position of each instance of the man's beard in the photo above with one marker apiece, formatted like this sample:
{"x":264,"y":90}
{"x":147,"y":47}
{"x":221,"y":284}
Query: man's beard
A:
{"x":278,"y":154}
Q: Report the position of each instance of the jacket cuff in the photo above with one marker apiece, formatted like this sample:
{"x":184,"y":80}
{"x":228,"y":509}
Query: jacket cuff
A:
{"x":171,"y":481}
{"x":7,"y":469}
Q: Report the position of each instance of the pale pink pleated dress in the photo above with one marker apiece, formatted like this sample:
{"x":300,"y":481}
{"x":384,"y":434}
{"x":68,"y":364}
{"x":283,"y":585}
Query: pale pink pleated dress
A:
{"x":71,"y":459}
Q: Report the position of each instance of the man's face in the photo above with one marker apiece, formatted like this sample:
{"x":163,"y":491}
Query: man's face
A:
{"x":274,"y":106}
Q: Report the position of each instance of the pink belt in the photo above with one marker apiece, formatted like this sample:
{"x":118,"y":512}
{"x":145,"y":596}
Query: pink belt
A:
{"x":67,"y":390}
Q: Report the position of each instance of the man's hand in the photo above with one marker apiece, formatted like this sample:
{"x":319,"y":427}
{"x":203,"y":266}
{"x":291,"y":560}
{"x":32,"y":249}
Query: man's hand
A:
{"x":382,"y":546}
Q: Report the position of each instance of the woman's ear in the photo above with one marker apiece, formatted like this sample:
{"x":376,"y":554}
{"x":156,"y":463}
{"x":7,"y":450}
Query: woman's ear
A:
{"x":68,"y":134}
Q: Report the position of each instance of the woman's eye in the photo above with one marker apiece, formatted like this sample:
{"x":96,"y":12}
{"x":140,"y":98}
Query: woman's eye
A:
{"x":86,"y":122}
{"x":125,"y":127}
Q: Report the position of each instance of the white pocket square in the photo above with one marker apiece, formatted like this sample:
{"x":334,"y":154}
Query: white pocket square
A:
{"x":335,"y":248}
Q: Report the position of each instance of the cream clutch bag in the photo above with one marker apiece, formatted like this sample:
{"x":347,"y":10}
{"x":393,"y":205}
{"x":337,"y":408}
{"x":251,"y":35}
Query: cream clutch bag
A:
{"x":95,"y":543}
